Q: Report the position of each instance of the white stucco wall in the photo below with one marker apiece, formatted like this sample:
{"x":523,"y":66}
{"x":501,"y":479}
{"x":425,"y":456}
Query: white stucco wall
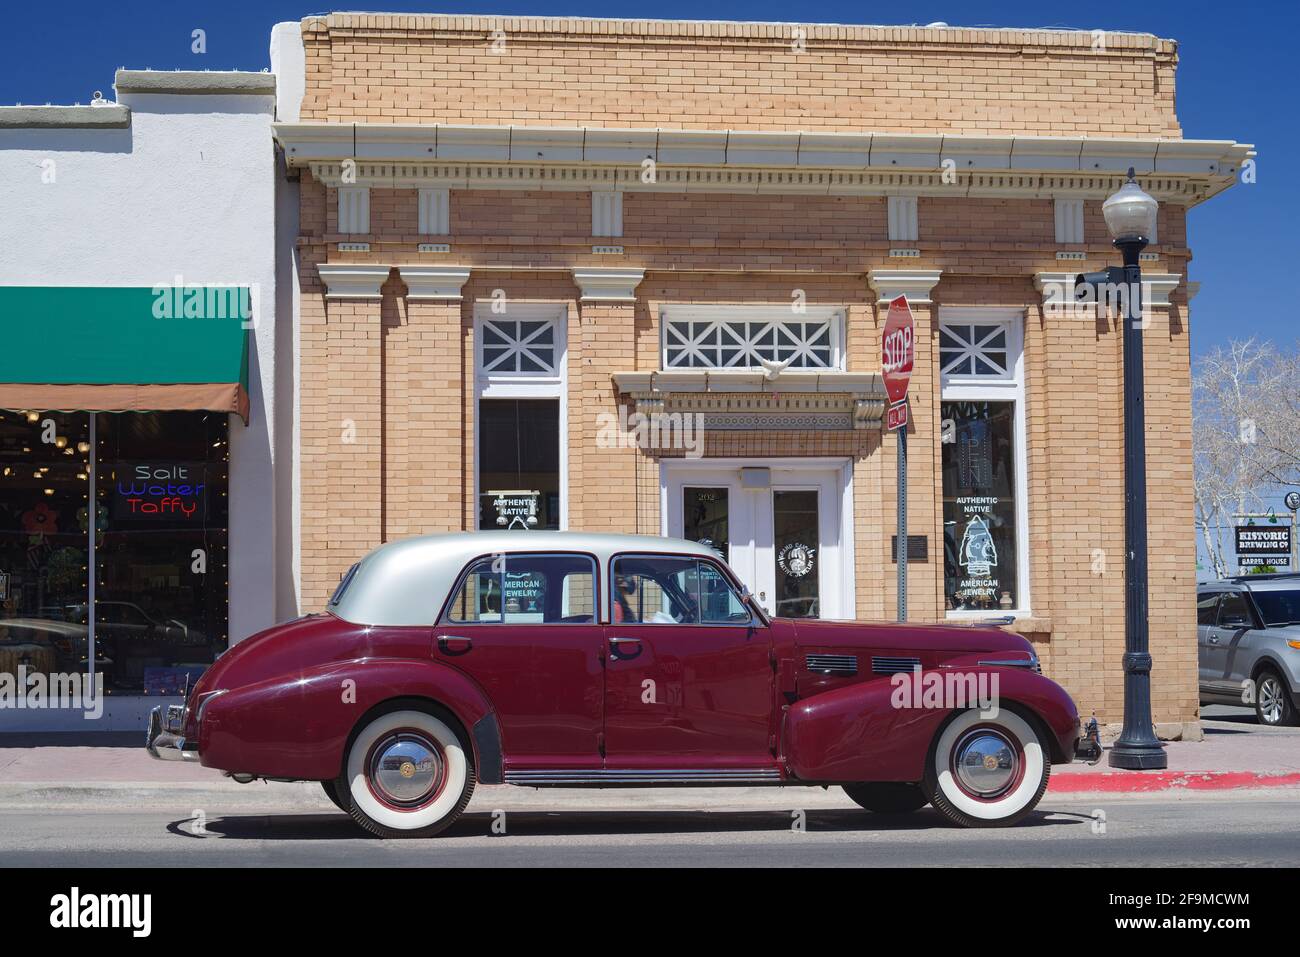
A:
{"x":189,"y":190}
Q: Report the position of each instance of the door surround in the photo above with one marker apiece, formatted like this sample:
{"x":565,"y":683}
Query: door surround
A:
{"x":842,"y":586}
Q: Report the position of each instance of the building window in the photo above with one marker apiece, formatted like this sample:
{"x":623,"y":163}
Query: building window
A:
{"x":520,"y":423}
{"x":979,"y":506}
{"x":155,"y":542}
{"x":983,"y":462}
{"x":518,"y":347}
{"x":519,"y":463}
{"x":973,"y":349}
{"x":745,"y":338}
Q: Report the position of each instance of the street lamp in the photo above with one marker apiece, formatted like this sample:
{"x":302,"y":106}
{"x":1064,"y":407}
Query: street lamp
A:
{"x":1131,"y":218}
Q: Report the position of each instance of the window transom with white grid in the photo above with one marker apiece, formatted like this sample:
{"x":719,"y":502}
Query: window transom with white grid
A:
{"x":737,"y":341}
{"x":518,"y":346}
{"x":974,"y":349}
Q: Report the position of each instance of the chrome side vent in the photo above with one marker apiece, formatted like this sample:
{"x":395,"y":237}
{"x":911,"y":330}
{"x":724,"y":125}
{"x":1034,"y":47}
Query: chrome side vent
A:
{"x":833,"y":664}
{"x":884,"y":665}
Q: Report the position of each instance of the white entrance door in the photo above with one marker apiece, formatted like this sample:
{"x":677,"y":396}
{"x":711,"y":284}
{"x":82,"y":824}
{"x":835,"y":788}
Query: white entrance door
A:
{"x":780,"y":527}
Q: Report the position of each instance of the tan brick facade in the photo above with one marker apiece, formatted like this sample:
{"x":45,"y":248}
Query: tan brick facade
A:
{"x":388,"y":395}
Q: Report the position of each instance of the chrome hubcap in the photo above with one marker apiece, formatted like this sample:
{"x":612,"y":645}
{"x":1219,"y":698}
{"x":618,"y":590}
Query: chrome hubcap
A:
{"x":1270,"y":700}
{"x":986,"y":762}
{"x":405,"y":769}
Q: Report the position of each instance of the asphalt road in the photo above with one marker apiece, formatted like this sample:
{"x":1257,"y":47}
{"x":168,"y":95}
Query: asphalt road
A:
{"x":1225,"y":830}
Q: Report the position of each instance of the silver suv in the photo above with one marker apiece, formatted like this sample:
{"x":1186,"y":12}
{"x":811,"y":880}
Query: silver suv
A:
{"x":1248,"y":639}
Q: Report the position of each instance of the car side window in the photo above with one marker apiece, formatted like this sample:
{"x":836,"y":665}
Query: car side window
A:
{"x":527,"y":590}
{"x":1233,"y":611}
{"x":1207,"y":608}
{"x":666,"y":590}
{"x":719,"y":600}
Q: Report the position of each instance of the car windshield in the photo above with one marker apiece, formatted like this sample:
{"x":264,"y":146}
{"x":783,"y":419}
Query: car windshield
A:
{"x":1280,"y":607}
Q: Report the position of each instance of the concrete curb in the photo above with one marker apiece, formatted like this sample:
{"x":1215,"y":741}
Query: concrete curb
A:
{"x":1145,"y":782}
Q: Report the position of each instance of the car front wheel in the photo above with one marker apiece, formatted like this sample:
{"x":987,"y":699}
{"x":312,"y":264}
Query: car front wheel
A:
{"x":408,"y":774}
{"x":1273,"y":705}
{"x":987,"y":772}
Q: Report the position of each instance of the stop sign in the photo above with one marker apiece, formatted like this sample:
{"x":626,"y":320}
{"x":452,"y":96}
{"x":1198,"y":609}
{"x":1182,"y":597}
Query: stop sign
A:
{"x":898,"y":349}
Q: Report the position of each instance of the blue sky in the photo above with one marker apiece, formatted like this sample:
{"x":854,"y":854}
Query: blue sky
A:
{"x":1236,"y":80}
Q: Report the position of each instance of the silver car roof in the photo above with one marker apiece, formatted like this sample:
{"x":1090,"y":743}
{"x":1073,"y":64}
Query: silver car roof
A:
{"x":1282,"y":582}
{"x":406,"y":582}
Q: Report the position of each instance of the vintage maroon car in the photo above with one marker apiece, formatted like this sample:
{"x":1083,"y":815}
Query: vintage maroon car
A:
{"x":554,"y":659}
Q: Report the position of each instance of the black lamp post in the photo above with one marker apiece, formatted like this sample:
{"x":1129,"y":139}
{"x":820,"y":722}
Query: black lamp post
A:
{"x":1131,"y":218}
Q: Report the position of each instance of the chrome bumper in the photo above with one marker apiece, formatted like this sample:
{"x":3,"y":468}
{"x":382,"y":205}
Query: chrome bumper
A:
{"x":163,"y":740}
{"x":1088,"y":748}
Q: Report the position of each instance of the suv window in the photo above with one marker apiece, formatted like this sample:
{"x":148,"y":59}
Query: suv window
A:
{"x":527,"y":590}
{"x":1234,"y":610}
{"x":1278,"y":607}
{"x":1207,"y":608}
{"x":665,"y":590}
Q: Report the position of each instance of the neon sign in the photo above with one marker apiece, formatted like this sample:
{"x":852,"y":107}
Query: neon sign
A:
{"x":144,"y":491}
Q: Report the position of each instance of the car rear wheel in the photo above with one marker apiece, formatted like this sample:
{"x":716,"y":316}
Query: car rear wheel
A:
{"x":331,"y":789}
{"x":407,"y":774}
{"x":1273,"y":704}
{"x":987,"y":772}
{"x":888,"y":797}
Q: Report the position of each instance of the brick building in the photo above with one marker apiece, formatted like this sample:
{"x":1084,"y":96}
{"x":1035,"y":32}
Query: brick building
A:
{"x":516,"y":234}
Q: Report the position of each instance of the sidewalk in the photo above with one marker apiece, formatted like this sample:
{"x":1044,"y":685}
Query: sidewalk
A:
{"x":1235,"y":755}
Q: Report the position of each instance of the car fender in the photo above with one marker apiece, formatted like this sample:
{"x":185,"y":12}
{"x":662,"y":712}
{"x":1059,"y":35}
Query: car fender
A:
{"x":298,"y":726}
{"x":861,"y":732}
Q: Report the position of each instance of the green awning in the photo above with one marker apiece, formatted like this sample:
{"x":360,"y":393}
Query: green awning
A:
{"x":125,"y":349}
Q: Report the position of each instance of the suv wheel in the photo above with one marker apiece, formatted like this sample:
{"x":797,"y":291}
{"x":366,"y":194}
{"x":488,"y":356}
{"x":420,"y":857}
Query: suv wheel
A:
{"x":1273,"y":704}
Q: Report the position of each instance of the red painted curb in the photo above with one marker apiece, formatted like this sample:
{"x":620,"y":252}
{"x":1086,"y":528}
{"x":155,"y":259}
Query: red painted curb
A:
{"x":1143,"y":781}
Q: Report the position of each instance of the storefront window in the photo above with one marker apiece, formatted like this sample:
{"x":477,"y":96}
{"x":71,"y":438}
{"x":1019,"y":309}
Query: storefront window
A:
{"x":519,"y":463}
{"x":704,"y":518}
{"x":44,"y":546}
{"x":159,"y":552}
{"x":162,"y":548}
{"x":979,"y":506}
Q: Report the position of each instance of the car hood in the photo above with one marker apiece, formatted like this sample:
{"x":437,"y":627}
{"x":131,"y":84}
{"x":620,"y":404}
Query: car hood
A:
{"x":944,"y":639}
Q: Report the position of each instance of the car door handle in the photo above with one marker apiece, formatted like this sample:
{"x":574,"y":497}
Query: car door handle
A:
{"x":454,"y":645}
{"x":616,"y":645}
{"x":1213,"y":639}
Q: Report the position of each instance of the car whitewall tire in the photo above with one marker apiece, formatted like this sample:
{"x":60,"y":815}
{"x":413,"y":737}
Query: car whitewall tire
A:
{"x":408,"y":775}
{"x":987,"y":772}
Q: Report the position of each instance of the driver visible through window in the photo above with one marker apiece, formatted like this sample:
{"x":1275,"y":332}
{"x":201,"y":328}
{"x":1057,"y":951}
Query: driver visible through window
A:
{"x":661,"y":590}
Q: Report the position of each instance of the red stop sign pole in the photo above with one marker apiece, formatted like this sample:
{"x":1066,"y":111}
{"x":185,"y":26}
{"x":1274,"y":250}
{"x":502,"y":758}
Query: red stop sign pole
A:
{"x":897,"y":356}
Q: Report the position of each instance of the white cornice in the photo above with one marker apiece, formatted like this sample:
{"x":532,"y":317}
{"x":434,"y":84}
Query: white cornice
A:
{"x":915,"y":284}
{"x":1057,"y":289}
{"x":353,"y":280}
{"x":1156,"y":287}
{"x":1186,"y":171}
{"x":607,"y":284}
{"x":434,"y":282}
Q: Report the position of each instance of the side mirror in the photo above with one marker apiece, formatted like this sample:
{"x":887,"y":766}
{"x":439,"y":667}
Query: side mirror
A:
{"x":1236,"y":621}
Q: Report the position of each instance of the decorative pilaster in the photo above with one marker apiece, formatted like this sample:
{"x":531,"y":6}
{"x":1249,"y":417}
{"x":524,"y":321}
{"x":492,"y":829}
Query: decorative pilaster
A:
{"x":353,"y":280}
{"x":924,"y":488}
{"x":433,"y":283}
{"x":915,"y":284}
{"x":612,"y":284}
